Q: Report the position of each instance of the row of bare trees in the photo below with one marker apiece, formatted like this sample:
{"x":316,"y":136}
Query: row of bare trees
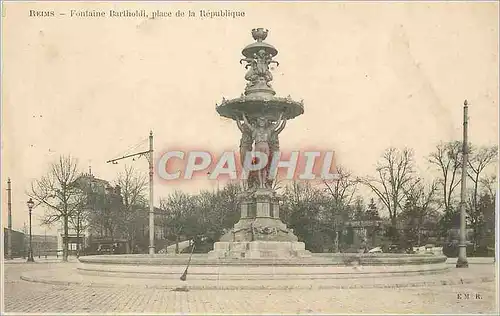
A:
{"x":399,"y":188}
{"x":73,"y":199}
{"x":314,"y":211}
{"x":411,"y":201}
{"x":60,"y":196}
{"x":208,"y":213}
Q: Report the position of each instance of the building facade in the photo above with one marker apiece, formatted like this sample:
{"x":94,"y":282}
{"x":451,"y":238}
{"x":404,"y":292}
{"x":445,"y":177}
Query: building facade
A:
{"x":42,"y":245}
{"x":19,"y":246}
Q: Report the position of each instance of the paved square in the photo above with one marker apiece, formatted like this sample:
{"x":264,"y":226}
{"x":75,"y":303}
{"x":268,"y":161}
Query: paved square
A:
{"x":26,"y":297}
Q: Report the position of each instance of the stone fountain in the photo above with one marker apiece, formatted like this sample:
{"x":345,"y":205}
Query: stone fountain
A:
{"x":259,"y":233}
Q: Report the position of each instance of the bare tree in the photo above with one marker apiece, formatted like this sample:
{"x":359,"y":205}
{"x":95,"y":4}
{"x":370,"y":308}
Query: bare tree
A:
{"x":298,"y":197}
{"x":303,"y":191}
{"x":342,"y":190}
{"x":480,"y":158}
{"x":447,"y":158}
{"x":176,"y":210}
{"x":341,"y":193}
{"x":113,"y":212}
{"x":79,"y":221}
{"x":395,"y":172}
{"x":304,"y":208}
{"x":209,"y":213}
{"x":488,"y":185}
{"x":420,"y":203}
{"x":132,"y":186}
{"x":58,"y":193}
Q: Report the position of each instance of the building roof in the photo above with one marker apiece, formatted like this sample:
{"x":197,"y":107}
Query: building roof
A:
{"x":86,"y":179}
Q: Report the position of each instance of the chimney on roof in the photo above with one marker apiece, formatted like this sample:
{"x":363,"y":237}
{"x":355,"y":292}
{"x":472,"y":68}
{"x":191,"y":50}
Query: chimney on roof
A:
{"x":109,"y":189}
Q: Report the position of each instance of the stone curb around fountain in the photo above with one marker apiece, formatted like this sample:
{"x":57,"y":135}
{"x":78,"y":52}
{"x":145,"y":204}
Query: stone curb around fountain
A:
{"x":69,"y":277}
{"x":314,"y":260}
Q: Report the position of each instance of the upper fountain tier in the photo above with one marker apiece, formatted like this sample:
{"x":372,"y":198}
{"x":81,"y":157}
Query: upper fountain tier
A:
{"x":259,"y":99}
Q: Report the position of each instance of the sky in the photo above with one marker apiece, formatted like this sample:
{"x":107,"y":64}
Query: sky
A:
{"x":372,"y":75}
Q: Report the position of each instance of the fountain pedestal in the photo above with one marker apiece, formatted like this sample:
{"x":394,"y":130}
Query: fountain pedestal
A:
{"x":259,"y":233}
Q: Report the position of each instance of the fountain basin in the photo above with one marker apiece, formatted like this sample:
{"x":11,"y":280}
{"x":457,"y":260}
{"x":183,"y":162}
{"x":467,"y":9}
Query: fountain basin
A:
{"x":269,"y":106}
{"x":318,"y":266}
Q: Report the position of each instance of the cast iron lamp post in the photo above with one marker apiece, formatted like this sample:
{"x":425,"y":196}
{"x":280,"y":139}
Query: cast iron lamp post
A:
{"x":30,"y":204}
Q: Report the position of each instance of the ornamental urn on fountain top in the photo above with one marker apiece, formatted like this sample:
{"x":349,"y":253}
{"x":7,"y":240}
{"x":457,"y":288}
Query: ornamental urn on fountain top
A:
{"x":259,"y":97}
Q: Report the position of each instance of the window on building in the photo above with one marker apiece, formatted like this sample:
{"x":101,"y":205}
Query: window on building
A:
{"x":159,"y":233}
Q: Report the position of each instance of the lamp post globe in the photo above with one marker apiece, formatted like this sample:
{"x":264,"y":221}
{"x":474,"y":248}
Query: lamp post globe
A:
{"x":30,"y":204}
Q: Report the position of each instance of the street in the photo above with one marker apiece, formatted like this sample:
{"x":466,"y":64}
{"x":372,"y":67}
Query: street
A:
{"x":27,"y":297}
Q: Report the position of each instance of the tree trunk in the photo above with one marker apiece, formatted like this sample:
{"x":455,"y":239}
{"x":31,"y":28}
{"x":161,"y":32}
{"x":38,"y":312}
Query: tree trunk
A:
{"x":132,"y":243}
{"x":418,"y":236}
{"x":78,"y":235}
{"x":111,"y":232}
{"x":177,"y":244}
{"x":394,"y":230}
{"x":66,"y":238}
{"x":78,"y":243}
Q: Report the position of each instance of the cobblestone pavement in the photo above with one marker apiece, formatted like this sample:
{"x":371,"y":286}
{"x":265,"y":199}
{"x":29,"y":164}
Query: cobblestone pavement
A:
{"x":24,"y":297}
{"x":42,"y":259}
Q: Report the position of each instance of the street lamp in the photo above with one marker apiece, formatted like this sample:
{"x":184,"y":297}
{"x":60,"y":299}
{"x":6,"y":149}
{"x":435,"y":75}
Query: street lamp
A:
{"x":30,"y":204}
